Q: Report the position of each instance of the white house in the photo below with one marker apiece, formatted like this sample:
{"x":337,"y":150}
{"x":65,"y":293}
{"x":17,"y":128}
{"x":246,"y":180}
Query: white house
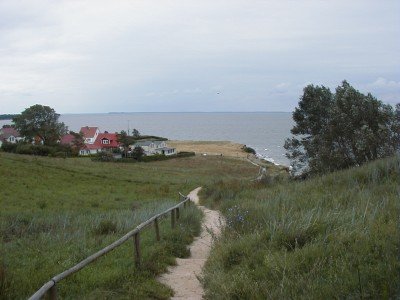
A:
{"x":10,"y":135}
{"x":154,"y":147}
{"x":90,"y":134}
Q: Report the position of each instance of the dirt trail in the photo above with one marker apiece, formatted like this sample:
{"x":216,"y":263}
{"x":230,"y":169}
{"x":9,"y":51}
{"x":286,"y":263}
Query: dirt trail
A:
{"x":183,"y":278}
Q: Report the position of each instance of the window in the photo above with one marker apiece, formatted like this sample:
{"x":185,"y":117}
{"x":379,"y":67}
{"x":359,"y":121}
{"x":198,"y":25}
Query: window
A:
{"x":105,"y":141}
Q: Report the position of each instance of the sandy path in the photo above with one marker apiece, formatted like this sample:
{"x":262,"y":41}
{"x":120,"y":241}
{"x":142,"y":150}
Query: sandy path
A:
{"x":183,"y":278}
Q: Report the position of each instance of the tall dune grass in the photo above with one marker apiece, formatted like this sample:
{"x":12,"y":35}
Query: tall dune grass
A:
{"x":335,"y":236}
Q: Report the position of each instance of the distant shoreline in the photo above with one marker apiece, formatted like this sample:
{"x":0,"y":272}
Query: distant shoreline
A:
{"x":7,"y":117}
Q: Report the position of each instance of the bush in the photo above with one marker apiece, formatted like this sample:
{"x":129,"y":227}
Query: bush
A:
{"x":155,"y":157}
{"x":9,"y":147}
{"x":104,"y":156}
{"x":40,"y":150}
{"x":249,"y":149}
{"x":185,"y":154}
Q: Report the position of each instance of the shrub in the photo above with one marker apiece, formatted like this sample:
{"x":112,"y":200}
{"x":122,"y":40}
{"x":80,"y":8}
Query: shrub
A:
{"x":185,"y":154}
{"x":249,"y":149}
{"x":104,"y":156}
{"x":155,"y":157}
{"x":9,"y":147}
{"x":30,"y":149}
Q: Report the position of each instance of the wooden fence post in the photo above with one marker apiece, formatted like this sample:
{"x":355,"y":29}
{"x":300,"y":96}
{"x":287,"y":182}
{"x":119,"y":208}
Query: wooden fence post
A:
{"x":157,"y":229}
{"x":173,"y":218}
{"x":53,"y":292}
{"x":177,"y":213}
{"x":137,"y":249}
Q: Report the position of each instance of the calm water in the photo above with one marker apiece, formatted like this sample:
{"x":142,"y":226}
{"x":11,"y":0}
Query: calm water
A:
{"x":265,"y":132}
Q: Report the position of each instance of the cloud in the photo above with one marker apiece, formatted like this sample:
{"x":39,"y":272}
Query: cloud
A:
{"x":384,"y":83}
{"x":85,"y":56}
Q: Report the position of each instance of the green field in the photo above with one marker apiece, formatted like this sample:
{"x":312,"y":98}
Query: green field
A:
{"x":55,"y":212}
{"x":331,"y":237}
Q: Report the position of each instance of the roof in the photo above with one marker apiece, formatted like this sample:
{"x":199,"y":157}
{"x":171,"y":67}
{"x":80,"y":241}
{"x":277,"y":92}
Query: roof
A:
{"x":147,"y":143}
{"x":88,"y":132}
{"x":166,"y":148}
{"x":112,"y":137}
{"x":67,"y":139}
{"x":6,"y":132}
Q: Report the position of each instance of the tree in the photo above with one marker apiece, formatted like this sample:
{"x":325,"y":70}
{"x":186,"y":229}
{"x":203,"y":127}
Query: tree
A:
{"x":336,"y":131}
{"x":135,"y":133}
{"x":78,"y":142}
{"x":40,"y":121}
{"x":137,"y":153}
{"x":125,"y":140}
{"x":311,"y":117}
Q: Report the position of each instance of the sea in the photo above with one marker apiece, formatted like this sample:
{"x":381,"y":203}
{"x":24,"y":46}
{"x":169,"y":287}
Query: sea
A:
{"x":264,"y":131}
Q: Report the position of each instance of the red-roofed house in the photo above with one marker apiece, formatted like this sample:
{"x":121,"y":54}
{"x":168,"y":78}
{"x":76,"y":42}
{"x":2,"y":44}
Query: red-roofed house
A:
{"x":9,"y":134}
{"x":90,"y":134}
{"x":67,"y":139}
{"x":104,"y":142}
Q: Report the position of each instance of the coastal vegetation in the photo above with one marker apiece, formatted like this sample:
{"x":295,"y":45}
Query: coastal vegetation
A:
{"x":332,"y":236}
{"x":55,"y":212}
{"x":249,"y":150}
{"x":340,"y":130}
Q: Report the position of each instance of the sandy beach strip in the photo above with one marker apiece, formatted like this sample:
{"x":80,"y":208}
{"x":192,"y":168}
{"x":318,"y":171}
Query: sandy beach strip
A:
{"x":226,"y":148}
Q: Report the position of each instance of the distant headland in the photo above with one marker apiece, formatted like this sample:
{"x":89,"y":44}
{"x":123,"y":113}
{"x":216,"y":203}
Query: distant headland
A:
{"x":7,"y":116}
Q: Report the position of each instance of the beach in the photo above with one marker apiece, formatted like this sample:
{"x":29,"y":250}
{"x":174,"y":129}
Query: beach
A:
{"x":224,"y":148}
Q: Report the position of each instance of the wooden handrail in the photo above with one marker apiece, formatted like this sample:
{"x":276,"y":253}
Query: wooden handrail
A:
{"x":51,"y":284}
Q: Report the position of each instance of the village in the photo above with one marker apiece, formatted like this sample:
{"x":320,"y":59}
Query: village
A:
{"x":94,"y":141}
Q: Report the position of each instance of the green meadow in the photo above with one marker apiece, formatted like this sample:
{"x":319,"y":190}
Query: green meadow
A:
{"x":330,"y":237}
{"x":56,"y":212}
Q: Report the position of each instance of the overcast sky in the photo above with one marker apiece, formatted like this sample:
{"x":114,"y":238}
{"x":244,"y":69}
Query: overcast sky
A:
{"x":145,"y":55}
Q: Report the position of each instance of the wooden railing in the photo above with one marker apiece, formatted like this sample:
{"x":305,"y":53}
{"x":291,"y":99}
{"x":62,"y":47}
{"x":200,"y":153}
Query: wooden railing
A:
{"x":50,"y":287}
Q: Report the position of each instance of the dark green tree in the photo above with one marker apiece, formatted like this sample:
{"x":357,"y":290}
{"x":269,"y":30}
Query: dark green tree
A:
{"x":311,"y":119}
{"x":125,"y":140}
{"x":337,"y":131}
{"x":137,"y":153}
{"x":78,"y":143}
{"x":40,"y":121}
{"x":135,"y":133}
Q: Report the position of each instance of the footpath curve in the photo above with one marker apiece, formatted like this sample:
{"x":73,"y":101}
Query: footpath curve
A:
{"x":183,"y":278}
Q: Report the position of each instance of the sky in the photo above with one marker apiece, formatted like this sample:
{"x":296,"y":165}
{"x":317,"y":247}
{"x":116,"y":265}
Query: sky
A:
{"x":189,"y":56}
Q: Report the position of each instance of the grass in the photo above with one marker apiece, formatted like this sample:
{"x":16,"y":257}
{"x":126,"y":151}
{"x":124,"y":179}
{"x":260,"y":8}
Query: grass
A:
{"x":335,"y":236}
{"x":55,"y":212}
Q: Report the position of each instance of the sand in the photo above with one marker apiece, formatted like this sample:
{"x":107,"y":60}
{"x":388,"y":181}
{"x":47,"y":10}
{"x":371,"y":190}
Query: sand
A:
{"x":226,"y":148}
{"x":183,"y":278}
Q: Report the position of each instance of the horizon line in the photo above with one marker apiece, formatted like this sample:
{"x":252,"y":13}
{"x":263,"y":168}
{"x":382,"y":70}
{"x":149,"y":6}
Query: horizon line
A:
{"x":172,"y":112}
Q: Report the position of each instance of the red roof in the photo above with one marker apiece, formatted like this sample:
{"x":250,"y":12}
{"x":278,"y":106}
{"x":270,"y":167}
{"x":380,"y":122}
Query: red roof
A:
{"x":112,"y":140}
{"x":104,"y":140}
{"x":9,"y":131}
{"x":67,"y":139}
{"x":88,"y":132}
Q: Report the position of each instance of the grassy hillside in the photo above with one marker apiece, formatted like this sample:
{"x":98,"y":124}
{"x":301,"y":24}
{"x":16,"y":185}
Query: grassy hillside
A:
{"x":335,"y":236}
{"x":55,"y":212}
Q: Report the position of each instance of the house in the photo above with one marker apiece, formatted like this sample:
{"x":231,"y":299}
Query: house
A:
{"x":154,"y":147}
{"x":104,"y":142}
{"x":90,"y":134}
{"x":67,"y":139}
{"x":10,"y":135}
